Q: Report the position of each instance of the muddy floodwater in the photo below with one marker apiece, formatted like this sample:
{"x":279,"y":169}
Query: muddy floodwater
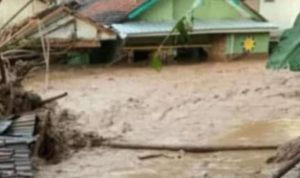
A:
{"x":263,"y":132}
{"x":209,"y":103}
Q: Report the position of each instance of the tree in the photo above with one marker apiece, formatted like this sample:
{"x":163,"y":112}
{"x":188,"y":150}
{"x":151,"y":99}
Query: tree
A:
{"x":183,"y":26}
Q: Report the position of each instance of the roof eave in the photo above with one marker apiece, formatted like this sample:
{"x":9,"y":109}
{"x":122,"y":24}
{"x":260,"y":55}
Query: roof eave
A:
{"x":200,"y":32}
{"x":141,"y":9}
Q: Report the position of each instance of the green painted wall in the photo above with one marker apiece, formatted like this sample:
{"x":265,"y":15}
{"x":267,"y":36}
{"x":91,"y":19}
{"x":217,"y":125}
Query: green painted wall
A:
{"x":234,"y":43}
{"x":167,"y":10}
{"x":161,"y":11}
{"x":216,"y":10}
{"x":181,"y":7}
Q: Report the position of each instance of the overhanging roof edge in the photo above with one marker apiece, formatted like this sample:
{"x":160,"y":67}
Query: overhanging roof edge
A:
{"x":142,"y":8}
{"x":203,"y":32}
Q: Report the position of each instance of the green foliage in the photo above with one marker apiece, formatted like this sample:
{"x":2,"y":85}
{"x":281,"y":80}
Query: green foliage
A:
{"x":183,"y":26}
{"x":287,"y":53}
{"x":156,"y":62}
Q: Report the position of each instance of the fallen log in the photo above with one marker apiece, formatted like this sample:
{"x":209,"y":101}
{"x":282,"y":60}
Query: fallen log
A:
{"x":189,"y":148}
{"x":287,"y":167}
{"x":49,"y":100}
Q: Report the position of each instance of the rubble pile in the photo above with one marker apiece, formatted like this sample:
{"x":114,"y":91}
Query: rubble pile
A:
{"x":16,"y":136}
{"x":14,"y":67}
{"x":59,"y":137}
{"x":18,"y":114}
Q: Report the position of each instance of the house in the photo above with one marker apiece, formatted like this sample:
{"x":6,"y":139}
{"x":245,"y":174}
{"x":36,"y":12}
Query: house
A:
{"x":225,"y":29}
{"x":61,"y":27}
{"x":65,"y":23}
{"x":108,"y":12}
{"x":282,"y":13}
{"x":222,"y":29}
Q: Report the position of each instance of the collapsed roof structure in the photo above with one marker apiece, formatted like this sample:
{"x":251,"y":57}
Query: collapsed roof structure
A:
{"x":61,"y":26}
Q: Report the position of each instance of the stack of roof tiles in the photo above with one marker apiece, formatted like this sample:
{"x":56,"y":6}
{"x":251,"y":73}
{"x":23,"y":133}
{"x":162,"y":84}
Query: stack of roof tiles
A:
{"x":16,"y":134}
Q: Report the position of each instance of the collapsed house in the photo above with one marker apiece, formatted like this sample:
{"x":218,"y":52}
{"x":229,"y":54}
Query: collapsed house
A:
{"x":61,"y":26}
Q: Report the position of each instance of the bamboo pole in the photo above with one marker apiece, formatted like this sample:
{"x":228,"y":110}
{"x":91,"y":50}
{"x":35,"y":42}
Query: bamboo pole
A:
{"x":189,"y":148}
{"x":16,"y":14}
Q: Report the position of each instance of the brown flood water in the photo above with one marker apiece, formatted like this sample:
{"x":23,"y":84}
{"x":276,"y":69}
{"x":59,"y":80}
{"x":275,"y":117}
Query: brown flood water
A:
{"x":205,"y":103}
{"x":229,"y":164}
{"x":246,"y":164}
{"x":263,"y":132}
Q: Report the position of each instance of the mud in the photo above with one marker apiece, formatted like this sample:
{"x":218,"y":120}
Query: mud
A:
{"x":58,"y":140}
{"x":202,"y":103}
{"x":15,"y":100}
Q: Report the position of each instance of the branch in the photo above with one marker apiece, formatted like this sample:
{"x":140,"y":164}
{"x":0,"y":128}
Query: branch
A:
{"x":49,"y":100}
{"x":2,"y":72}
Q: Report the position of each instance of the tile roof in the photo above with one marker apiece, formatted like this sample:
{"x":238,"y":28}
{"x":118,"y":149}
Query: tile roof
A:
{"x":109,"y":11}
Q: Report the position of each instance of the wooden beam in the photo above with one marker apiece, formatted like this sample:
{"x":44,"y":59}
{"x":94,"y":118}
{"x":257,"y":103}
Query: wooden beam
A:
{"x":188,"y":148}
{"x":142,"y":48}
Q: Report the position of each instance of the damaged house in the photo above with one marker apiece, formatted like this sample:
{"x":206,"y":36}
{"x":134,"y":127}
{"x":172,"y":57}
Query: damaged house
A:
{"x":62,"y":26}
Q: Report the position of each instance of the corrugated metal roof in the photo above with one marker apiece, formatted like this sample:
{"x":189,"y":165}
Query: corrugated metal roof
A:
{"x":15,"y":161}
{"x":140,"y":29}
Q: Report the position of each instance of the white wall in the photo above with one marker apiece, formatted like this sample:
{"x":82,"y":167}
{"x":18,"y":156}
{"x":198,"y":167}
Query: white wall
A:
{"x":280,"y":12}
{"x":9,"y":7}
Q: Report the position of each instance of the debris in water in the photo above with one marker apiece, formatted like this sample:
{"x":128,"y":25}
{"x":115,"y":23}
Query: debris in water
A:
{"x":15,"y":139}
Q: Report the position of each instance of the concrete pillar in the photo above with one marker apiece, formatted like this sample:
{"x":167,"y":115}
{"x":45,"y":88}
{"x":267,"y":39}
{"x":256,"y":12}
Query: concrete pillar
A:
{"x":130,"y":56}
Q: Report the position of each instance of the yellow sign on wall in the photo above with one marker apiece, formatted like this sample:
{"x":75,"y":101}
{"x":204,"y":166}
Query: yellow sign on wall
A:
{"x":249,"y":44}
